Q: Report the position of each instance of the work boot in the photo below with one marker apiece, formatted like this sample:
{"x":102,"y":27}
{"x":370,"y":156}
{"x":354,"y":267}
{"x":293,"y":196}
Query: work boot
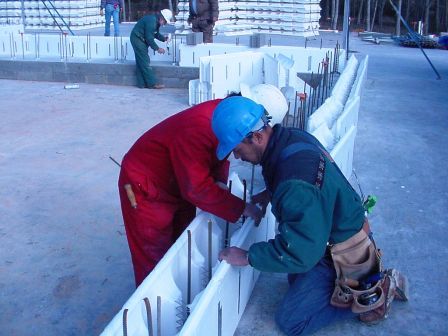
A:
{"x":157,"y":86}
{"x":379,"y":314}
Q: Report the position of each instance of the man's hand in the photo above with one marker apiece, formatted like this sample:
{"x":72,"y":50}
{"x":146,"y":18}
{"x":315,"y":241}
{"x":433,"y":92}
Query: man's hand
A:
{"x":262,"y":199}
{"x":254,"y":212}
{"x":234,"y":256}
{"x":161,"y":51}
{"x":101,"y":12}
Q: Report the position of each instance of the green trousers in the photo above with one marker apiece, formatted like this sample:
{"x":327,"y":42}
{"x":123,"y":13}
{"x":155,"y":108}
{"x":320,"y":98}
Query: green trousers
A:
{"x":145,"y":75}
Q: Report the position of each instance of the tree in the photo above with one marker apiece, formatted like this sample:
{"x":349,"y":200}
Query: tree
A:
{"x":358,"y":21}
{"x":334,"y":14}
{"x":428,"y":4}
{"x":398,"y":20}
{"x":368,"y":16}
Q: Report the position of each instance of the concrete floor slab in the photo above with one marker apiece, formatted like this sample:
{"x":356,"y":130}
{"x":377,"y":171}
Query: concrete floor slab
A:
{"x":65,"y":265}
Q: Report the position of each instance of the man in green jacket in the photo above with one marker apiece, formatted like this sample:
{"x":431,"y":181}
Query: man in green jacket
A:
{"x":315,"y":206}
{"x":142,"y":36}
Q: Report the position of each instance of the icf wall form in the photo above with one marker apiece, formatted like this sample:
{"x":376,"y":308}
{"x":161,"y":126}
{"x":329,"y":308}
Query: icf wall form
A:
{"x":190,"y":292}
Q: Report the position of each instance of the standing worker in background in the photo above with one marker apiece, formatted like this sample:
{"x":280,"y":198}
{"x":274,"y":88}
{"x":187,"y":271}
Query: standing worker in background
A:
{"x":167,"y":173}
{"x":113,"y":9}
{"x":203,"y":15}
{"x":142,"y":37}
{"x":324,"y":242}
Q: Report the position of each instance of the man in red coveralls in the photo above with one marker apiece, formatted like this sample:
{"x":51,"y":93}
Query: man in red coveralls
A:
{"x":167,"y":173}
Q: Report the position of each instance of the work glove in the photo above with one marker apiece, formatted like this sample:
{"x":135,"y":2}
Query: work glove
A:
{"x":234,"y":256}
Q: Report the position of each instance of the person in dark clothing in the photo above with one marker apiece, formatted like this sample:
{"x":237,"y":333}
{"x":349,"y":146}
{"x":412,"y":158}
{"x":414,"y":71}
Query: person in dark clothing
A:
{"x":113,"y":9}
{"x":321,"y":218}
{"x":203,"y":15}
{"x":142,"y":37}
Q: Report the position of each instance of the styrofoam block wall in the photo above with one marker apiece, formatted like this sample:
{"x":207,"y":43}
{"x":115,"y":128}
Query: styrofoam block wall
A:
{"x":342,"y":152}
{"x":343,"y":86}
{"x":305,"y":59}
{"x":224,"y":73}
{"x":228,"y":289}
{"x":348,"y":118}
{"x":359,"y":83}
{"x":326,"y":114}
{"x":225,"y":67}
{"x":32,"y":46}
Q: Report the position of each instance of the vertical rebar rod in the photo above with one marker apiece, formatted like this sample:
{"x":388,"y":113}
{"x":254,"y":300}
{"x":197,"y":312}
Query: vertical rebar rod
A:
{"x":125,"y":322}
{"x":219,"y":319}
{"x":159,"y":316}
{"x":148,"y":316}
{"x":226,"y":238}
{"x":252,"y":178}
{"x":244,"y":197}
{"x":189,"y":268}
{"x":210,"y":245}
{"x":239,"y":289}
{"x":23,"y":47}
{"x":310,"y":95}
{"x":294,"y":120}
{"x":286,"y":121}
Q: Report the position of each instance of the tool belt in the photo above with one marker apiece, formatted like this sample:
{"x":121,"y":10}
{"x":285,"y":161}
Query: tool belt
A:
{"x":356,"y":260}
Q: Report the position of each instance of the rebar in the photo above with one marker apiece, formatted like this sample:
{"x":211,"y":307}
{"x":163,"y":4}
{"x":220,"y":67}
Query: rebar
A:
{"x":210,"y":245}
{"x":159,"y":316}
{"x":125,"y":322}
{"x":226,"y":237}
{"x":148,"y":316}
{"x":189,"y":268}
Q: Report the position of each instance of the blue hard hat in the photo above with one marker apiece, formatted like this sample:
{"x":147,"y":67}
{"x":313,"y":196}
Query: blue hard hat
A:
{"x":233,"y":118}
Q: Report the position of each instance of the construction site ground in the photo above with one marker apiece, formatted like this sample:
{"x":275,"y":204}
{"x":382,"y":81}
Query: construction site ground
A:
{"x":65,"y":265}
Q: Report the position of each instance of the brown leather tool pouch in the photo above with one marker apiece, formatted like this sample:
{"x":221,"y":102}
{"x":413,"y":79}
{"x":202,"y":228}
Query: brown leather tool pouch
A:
{"x":353,"y":260}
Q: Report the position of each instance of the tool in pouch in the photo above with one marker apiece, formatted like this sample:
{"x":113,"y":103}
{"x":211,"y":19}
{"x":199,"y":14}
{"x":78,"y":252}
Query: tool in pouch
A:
{"x":131,"y":195}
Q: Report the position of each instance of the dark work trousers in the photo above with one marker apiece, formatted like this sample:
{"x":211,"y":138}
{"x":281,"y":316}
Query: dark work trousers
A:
{"x":145,"y":75}
{"x":306,"y":306}
{"x":201,"y":25}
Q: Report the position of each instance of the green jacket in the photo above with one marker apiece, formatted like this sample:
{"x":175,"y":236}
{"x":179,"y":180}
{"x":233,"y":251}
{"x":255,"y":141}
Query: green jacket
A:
{"x":147,"y":29}
{"x":309,"y":215}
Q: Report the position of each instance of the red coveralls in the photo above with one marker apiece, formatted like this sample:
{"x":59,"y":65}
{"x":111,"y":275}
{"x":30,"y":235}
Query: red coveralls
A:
{"x":172,"y":169}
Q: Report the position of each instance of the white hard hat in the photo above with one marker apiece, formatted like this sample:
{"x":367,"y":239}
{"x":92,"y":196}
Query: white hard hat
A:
{"x":167,"y":14}
{"x":270,"y":97}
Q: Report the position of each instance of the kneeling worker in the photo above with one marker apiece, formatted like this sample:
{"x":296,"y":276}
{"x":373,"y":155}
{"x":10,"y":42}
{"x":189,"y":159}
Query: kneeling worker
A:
{"x":324,"y":242}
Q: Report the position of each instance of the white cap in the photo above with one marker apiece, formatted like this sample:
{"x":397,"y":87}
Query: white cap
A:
{"x":167,"y":14}
{"x":270,"y":97}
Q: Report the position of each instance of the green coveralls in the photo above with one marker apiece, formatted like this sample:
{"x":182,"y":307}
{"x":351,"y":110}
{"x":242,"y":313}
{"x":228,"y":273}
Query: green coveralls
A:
{"x":142,"y":37}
